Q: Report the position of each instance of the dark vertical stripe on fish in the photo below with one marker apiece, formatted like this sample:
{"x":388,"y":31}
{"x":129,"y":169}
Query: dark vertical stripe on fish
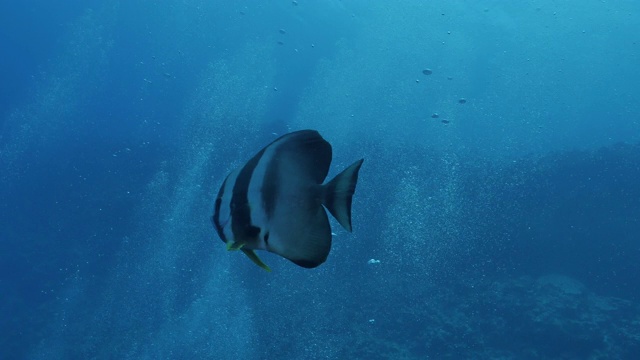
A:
{"x":270,"y":186}
{"x":240,"y":209}
{"x":216,"y":212}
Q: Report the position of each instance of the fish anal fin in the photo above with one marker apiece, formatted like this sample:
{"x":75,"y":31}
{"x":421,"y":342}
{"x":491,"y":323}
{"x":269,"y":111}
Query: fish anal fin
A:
{"x":304,"y":239}
{"x":306,"y":264}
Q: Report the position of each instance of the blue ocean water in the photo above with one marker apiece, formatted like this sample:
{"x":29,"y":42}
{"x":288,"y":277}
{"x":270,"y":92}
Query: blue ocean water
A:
{"x":499,"y":198}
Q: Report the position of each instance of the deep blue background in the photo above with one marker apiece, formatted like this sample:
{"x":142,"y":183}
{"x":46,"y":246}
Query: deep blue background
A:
{"x":510,"y":231}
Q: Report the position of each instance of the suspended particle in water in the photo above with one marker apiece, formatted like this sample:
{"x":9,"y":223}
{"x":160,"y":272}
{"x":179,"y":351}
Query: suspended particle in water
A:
{"x":427,"y":71}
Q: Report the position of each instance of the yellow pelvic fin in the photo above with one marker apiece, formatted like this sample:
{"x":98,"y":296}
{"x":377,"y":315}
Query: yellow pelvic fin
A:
{"x":233,"y":246}
{"x":256,"y":260}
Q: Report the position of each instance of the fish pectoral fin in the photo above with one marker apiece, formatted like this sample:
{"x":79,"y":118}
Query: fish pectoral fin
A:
{"x":233,"y":246}
{"x":256,"y":260}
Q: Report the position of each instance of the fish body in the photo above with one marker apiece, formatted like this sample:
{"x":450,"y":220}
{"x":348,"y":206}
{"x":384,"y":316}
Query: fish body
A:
{"x":276,"y":201}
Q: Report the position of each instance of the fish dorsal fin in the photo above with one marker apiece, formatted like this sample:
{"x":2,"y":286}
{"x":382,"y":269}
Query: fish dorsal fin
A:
{"x":339,"y":192}
{"x":307,"y":152}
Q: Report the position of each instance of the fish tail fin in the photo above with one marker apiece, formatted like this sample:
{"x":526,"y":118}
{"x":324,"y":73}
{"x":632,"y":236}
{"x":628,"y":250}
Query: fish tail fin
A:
{"x":338,"y":193}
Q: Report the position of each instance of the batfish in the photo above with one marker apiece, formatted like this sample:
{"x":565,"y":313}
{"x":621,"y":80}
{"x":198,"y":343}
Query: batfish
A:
{"x":277,"y":200}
